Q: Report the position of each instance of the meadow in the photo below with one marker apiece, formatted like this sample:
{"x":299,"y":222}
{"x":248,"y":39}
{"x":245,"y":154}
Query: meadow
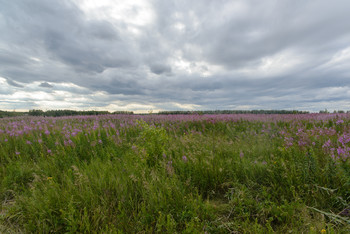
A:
{"x":234,"y":173}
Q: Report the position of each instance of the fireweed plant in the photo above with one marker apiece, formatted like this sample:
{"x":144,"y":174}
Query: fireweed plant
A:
{"x":235,"y":173}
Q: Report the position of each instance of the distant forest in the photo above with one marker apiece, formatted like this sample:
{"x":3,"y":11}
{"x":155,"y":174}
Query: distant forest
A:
{"x":57,"y":113}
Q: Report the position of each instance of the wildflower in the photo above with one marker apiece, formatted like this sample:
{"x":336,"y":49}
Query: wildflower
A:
{"x":340,"y":121}
{"x":184,"y":158}
{"x":47,"y":132}
{"x":344,"y":139}
{"x":40,"y":141}
{"x":6,"y":140}
{"x":340,"y":151}
{"x":327,"y":144}
{"x":49,"y":178}
{"x":323,"y":230}
{"x":241,"y":154}
{"x":49,"y":151}
{"x":18,"y":153}
{"x":29,"y":143}
{"x":288,"y":141}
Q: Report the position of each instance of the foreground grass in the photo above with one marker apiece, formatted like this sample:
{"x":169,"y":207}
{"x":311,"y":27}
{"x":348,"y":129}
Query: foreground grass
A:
{"x":167,"y":176}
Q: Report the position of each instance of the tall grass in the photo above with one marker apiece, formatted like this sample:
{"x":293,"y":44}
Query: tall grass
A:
{"x":168,"y":174}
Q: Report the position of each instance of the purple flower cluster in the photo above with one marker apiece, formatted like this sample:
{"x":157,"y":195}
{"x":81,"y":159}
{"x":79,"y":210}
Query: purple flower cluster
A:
{"x":327,"y":132}
{"x":331,"y":135}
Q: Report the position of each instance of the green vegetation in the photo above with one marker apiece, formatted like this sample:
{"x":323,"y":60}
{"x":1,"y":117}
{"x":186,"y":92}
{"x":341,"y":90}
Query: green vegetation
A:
{"x":153,"y":174}
{"x":57,"y":113}
{"x":10,"y":114}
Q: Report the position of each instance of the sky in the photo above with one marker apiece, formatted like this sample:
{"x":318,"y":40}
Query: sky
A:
{"x":154,"y":55}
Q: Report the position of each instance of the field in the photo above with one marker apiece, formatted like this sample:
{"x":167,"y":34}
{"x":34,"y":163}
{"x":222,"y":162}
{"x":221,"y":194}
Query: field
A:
{"x":175,"y":173}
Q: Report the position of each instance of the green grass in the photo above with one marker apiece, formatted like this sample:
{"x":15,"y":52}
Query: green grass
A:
{"x":234,"y":178}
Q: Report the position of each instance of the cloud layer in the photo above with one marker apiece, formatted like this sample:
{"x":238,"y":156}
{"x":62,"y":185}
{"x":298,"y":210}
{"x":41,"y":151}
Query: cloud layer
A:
{"x":174,"y":55}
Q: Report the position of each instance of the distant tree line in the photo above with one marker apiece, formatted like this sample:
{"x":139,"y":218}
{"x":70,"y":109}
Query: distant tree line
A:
{"x":10,"y":113}
{"x":233,"y":112}
{"x":325,"y":111}
{"x":57,"y":113}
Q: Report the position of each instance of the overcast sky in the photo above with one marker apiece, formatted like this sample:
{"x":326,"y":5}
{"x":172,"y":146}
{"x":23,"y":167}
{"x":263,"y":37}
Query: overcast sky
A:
{"x":174,"y":54}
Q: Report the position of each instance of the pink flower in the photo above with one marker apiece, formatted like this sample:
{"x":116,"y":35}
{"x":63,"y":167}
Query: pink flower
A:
{"x":327,"y":144}
{"x":184,"y":158}
{"x":341,"y":151}
{"x":340,"y":121}
{"x":49,"y":151}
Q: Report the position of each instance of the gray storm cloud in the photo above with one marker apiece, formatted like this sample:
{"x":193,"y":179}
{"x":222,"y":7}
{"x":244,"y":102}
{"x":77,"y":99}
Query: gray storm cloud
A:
{"x":45,"y":85}
{"x":208,"y":54}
